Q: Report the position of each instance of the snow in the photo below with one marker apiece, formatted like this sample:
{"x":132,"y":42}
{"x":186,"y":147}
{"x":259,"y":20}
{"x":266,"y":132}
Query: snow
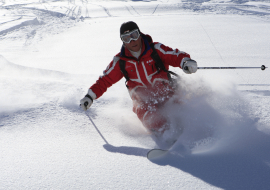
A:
{"x":52,"y":51}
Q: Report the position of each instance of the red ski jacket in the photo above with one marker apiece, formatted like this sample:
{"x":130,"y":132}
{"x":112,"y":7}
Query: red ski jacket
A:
{"x":145,"y":80}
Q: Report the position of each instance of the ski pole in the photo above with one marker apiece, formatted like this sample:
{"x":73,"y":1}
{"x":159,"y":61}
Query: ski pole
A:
{"x":86,"y":104}
{"x":262,"y":67}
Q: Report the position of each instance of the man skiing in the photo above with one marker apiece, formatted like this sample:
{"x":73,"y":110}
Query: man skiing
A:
{"x":145,"y":66}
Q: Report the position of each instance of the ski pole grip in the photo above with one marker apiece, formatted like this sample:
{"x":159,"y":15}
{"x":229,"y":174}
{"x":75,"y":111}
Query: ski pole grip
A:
{"x":186,"y":68}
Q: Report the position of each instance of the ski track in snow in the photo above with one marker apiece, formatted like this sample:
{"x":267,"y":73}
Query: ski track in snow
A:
{"x":48,"y":142}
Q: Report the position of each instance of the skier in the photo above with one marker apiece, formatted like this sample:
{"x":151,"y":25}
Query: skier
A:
{"x":145,"y":65}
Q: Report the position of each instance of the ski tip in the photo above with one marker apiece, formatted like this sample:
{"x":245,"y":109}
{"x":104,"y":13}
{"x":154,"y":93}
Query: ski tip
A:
{"x":156,"y":153}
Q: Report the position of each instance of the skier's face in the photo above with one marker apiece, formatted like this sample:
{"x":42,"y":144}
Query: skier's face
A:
{"x":134,"y":45}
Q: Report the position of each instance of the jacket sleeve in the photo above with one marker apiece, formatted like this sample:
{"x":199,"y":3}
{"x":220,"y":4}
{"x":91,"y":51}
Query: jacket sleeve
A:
{"x":110,"y":76}
{"x":169,"y":56}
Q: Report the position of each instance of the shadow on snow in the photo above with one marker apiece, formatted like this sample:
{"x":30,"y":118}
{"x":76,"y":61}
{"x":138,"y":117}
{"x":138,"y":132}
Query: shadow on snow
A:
{"x":245,"y":167}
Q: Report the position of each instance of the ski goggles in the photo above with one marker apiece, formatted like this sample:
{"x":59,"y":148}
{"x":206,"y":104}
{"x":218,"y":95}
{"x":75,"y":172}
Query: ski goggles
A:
{"x":133,"y":35}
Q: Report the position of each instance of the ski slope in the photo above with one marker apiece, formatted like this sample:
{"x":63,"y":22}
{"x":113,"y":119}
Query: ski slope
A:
{"x":51,"y":52}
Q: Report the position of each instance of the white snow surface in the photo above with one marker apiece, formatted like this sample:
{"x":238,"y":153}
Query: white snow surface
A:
{"x":52,"y":51}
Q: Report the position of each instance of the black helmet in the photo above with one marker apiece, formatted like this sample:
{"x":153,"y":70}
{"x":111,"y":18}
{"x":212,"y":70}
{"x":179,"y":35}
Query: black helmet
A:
{"x":128,"y":26}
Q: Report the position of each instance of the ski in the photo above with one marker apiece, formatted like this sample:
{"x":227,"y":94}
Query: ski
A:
{"x":156,"y":153}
